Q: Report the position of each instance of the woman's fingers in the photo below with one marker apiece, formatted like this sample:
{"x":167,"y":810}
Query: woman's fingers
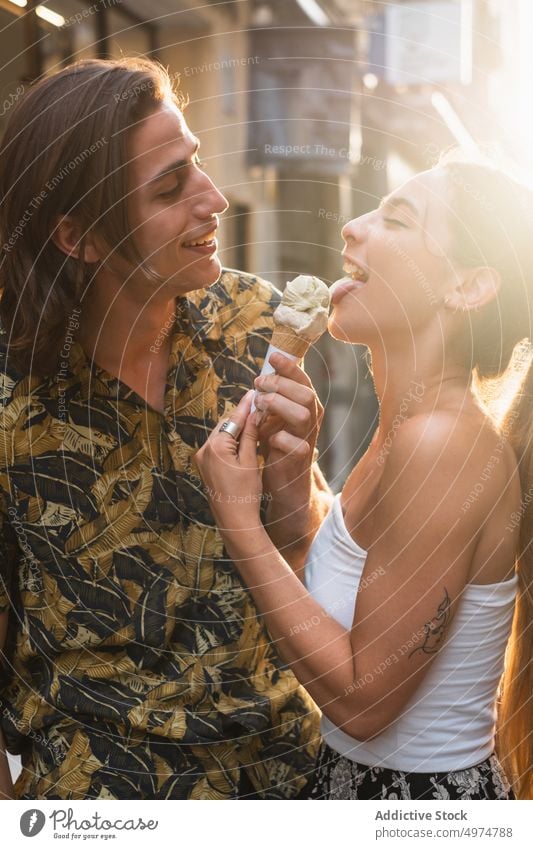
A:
{"x":248,"y":444}
{"x":241,"y":437}
{"x":237,"y":418}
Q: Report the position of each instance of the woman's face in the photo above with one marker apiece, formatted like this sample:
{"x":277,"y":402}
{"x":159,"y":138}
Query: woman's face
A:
{"x":397,"y":264}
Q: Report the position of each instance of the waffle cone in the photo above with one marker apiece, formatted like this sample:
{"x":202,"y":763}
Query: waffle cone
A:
{"x":287,"y":340}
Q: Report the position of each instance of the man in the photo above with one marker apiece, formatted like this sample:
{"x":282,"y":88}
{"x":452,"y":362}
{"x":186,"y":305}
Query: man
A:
{"x":135,"y":664}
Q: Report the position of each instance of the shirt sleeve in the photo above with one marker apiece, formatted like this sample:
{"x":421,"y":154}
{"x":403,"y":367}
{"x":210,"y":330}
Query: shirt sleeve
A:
{"x":9,"y":555}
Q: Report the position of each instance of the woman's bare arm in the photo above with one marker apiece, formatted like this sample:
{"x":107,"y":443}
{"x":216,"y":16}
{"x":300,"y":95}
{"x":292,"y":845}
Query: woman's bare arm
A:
{"x":423,"y":552}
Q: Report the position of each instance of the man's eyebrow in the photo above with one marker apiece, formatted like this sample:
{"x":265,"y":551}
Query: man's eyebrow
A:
{"x":173,"y":166}
{"x":399,"y":201}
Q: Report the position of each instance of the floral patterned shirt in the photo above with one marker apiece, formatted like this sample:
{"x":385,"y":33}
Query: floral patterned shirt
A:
{"x":136,"y":665}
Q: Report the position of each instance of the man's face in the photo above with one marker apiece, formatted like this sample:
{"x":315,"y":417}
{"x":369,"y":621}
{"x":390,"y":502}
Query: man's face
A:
{"x":173,"y":206}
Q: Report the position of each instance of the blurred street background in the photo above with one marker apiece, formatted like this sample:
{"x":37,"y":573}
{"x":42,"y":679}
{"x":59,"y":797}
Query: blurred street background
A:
{"x":308,"y":111}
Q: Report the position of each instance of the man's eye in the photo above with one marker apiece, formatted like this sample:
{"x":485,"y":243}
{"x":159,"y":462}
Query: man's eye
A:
{"x":170,"y":193}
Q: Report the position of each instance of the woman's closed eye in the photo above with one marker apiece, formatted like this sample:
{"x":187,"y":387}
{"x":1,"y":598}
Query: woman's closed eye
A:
{"x":395,"y":222}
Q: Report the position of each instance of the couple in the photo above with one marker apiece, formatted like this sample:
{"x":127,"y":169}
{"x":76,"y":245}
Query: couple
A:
{"x":139,"y":661}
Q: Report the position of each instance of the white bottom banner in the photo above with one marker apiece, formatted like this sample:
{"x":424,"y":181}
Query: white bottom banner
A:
{"x":306,"y":824}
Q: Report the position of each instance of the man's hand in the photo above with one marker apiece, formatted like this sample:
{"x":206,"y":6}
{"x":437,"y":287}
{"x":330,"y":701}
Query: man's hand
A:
{"x":291,"y":419}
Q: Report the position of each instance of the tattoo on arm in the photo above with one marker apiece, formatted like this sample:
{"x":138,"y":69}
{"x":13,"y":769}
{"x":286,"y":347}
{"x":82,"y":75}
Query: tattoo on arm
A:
{"x":435,"y":629}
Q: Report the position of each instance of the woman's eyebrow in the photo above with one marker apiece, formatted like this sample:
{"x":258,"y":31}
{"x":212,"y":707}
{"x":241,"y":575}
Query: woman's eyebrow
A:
{"x":398,"y":200}
{"x":172,"y":166}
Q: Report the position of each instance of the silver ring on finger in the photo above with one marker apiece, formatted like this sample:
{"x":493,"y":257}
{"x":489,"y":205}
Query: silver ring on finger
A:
{"x":231,"y":428}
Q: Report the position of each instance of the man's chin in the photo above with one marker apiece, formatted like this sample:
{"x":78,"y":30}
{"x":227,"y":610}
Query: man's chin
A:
{"x":215,"y":271}
{"x":208,"y":279}
{"x":199,"y":278}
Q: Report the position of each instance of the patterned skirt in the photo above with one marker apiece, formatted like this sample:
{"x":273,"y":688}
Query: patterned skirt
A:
{"x":338,"y":777}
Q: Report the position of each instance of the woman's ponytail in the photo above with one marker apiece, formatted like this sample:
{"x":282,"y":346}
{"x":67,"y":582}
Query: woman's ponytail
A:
{"x":515,"y":723}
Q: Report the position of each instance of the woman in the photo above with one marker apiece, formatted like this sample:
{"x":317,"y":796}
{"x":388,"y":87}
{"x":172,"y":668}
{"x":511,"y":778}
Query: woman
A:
{"x":401,"y":633}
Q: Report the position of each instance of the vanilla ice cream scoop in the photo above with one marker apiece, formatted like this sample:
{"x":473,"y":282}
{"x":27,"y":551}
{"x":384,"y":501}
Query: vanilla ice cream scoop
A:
{"x":304,"y":309}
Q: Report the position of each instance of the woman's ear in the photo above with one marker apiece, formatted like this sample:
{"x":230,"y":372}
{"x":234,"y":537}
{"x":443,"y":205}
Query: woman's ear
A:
{"x":479,"y":286}
{"x":67,"y":236}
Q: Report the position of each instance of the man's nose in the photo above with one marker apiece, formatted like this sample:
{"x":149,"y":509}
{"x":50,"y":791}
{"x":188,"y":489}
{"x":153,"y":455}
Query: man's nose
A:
{"x":209,"y":198}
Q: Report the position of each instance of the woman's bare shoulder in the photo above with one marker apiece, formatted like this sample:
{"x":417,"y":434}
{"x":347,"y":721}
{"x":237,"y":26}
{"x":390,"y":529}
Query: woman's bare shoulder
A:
{"x":451,"y":434}
{"x":463,"y":454}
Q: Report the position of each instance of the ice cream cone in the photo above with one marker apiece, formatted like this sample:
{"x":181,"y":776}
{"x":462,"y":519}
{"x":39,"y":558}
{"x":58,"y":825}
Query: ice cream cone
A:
{"x":287,"y":340}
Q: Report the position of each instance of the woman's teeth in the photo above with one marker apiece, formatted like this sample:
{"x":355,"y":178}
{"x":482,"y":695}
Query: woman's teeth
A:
{"x":203,"y":241}
{"x":355,"y":271}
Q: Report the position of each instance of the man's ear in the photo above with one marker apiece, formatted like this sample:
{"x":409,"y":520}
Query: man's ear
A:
{"x":67,"y":235}
{"x":479,"y":286}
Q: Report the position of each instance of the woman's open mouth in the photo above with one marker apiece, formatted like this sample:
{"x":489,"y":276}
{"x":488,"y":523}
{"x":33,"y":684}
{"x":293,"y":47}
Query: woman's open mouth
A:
{"x":356,"y":278}
{"x":355,"y":271}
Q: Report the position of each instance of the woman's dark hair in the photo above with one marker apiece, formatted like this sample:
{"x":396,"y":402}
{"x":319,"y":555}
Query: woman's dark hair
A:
{"x":491,"y":219}
{"x":64,"y":152}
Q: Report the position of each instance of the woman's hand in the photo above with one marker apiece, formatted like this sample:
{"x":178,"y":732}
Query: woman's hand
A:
{"x":291,"y":417}
{"x":229,"y":468}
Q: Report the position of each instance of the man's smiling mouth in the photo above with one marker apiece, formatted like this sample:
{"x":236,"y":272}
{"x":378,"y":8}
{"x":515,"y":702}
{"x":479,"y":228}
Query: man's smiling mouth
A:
{"x":202,"y":241}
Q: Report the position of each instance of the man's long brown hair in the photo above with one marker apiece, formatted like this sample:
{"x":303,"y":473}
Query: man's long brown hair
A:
{"x":64,"y":153}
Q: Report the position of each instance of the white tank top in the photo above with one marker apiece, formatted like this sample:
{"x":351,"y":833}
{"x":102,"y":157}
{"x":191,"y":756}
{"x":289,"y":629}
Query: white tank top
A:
{"x":448,"y":724}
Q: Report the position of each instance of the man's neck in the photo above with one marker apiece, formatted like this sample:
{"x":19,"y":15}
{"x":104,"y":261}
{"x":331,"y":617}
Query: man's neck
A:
{"x":123,"y":331}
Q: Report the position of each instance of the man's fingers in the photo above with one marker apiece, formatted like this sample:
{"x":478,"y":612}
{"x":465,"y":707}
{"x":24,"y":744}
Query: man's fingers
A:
{"x":289,"y":368}
{"x":292,"y":446}
{"x":287,"y":387}
{"x":293,"y":415}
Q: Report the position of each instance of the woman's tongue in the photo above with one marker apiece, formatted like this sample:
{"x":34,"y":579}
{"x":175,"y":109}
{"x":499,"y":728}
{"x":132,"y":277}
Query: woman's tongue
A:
{"x":356,"y":277}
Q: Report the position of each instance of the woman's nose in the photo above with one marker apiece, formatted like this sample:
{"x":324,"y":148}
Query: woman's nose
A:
{"x":357,"y":228}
